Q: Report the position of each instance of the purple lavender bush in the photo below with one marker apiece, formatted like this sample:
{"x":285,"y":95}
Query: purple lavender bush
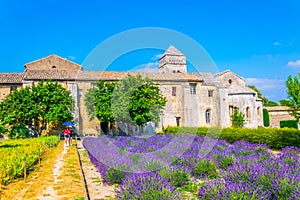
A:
{"x":147,"y":186}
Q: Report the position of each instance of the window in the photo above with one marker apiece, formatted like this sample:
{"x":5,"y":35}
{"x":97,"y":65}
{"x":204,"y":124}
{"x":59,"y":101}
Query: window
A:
{"x":229,"y":81}
{"x":53,"y":67}
{"x":258,"y":112}
{"x":192,"y":88}
{"x":248,"y":113}
{"x":210,"y":93}
{"x":178,"y":121}
{"x":173,"y":91}
{"x":207,"y":116}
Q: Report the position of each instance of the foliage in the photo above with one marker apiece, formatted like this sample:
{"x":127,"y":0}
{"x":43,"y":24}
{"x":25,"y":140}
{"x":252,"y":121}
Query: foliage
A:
{"x":238,"y":119}
{"x":147,"y":186}
{"x":178,"y":177}
{"x":266,"y":118}
{"x":103,"y":101}
{"x":205,"y":167}
{"x":240,"y":170}
{"x":114,"y":176}
{"x":289,"y":124}
{"x":293,"y":91}
{"x":275,"y":138}
{"x":286,"y":102}
{"x":46,"y":102}
{"x":13,"y":152}
{"x":54,"y":103}
{"x":265,"y":101}
{"x":132,"y":100}
{"x":90,"y":102}
{"x":19,"y":131}
{"x":137,"y":100}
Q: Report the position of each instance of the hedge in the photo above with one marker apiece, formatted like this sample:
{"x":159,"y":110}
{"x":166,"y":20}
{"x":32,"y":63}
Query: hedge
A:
{"x":275,"y":138}
{"x":289,"y":124}
{"x":266,"y":117}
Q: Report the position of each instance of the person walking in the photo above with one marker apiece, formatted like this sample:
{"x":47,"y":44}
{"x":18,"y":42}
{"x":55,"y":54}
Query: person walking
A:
{"x":67,"y":134}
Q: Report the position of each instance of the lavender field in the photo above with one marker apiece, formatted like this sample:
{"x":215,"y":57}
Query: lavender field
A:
{"x":193,"y":167}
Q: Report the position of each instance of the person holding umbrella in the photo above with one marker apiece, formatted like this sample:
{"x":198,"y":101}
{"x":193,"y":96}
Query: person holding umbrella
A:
{"x":67,"y":134}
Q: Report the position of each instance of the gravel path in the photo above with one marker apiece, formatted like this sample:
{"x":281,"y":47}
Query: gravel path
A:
{"x":96,"y":189}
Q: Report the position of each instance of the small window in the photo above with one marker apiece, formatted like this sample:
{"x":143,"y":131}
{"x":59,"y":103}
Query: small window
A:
{"x":192,"y":88}
{"x":248,"y":113}
{"x":229,"y":81}
{"x":210,"y":93}
{"x":258,"y":112}
{"x":53,"y":67}
{"x":173,"y":91}
{"x":207,"y":116}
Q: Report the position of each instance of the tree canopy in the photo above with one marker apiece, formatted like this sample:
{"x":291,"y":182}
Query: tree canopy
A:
{"x":293,"y":92}
{"x":132,"y":99}
{"x":46,"y":102}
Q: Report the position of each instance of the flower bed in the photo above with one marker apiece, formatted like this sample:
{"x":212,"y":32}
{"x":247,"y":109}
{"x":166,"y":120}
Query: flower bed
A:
{"x":185,"y":166}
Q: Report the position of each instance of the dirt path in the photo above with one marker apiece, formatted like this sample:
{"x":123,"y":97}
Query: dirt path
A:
{"x":96,"y":189}
{"x":58,"y":178}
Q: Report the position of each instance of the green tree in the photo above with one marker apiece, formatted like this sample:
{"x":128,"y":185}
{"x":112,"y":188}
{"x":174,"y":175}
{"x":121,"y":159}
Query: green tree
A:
{"x":132,"y":100}
{"x":266,"y":117}
{"x":54,"y":103}
{"x":46,"y":102}
{"x":265,"y":101}
{"x":90,"y":102}
{"x":238,"y":118}
{"x":286,"y":102}
{"x":293,"y":91}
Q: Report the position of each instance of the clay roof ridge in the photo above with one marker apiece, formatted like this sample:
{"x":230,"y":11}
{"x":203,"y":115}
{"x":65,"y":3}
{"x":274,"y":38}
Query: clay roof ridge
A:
{"x":52,"y":56}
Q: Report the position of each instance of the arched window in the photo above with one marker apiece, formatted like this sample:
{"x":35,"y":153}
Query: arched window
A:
{"x":207,"y":116}
{"x":248,"y":113}
{"x":258,"y":112}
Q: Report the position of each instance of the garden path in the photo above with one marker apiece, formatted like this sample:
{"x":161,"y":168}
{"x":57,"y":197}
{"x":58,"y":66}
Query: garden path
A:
{"x":96,"y":189}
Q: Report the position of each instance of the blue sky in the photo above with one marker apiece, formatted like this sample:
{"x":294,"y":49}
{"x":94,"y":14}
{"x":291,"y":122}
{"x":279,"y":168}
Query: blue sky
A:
{"x":258,"y":40}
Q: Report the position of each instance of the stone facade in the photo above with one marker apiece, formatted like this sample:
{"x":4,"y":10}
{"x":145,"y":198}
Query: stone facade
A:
{"x":197,"y":99}
{"x":277,"y":114}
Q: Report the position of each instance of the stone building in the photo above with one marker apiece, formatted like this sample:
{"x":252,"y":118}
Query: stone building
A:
{"x":193,"y":99}
{"x":277,"y":114}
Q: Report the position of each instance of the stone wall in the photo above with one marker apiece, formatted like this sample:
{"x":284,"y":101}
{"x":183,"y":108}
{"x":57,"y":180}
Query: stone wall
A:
{"x":277,"y":114}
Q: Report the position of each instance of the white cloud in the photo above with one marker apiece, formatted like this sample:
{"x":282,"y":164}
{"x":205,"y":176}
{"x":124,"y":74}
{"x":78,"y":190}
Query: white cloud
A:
{"x":276,"y":44}
{"x":265,"y":84}
{"x":151,"y":67}
{"x":294,"y":63}
{"x":157,"y":56}
{"x":72,"y":57}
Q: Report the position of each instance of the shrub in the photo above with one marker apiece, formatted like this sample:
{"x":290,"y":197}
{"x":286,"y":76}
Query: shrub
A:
{"x":289,"y":124}
{"x":115,"y":175}
{"x":205,"y":167}
{"x":273,"y":137}
{"x":238,"y":118}
{"x":178,"y":177}
{"x":147,"y":186}
{"x":19,"y":131}
{"x":266,"y":117}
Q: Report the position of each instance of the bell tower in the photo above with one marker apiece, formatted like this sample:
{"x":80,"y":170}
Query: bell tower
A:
{"x":172,"y":61}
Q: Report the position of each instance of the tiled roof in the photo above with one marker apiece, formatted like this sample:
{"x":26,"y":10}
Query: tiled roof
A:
{"x":50,"y":74}
{"x":11,"y":77}
{"x":173,"y":51}
{"x":228,"y":71}
{"x":277,"y":108}
{"x":89,"y":75}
